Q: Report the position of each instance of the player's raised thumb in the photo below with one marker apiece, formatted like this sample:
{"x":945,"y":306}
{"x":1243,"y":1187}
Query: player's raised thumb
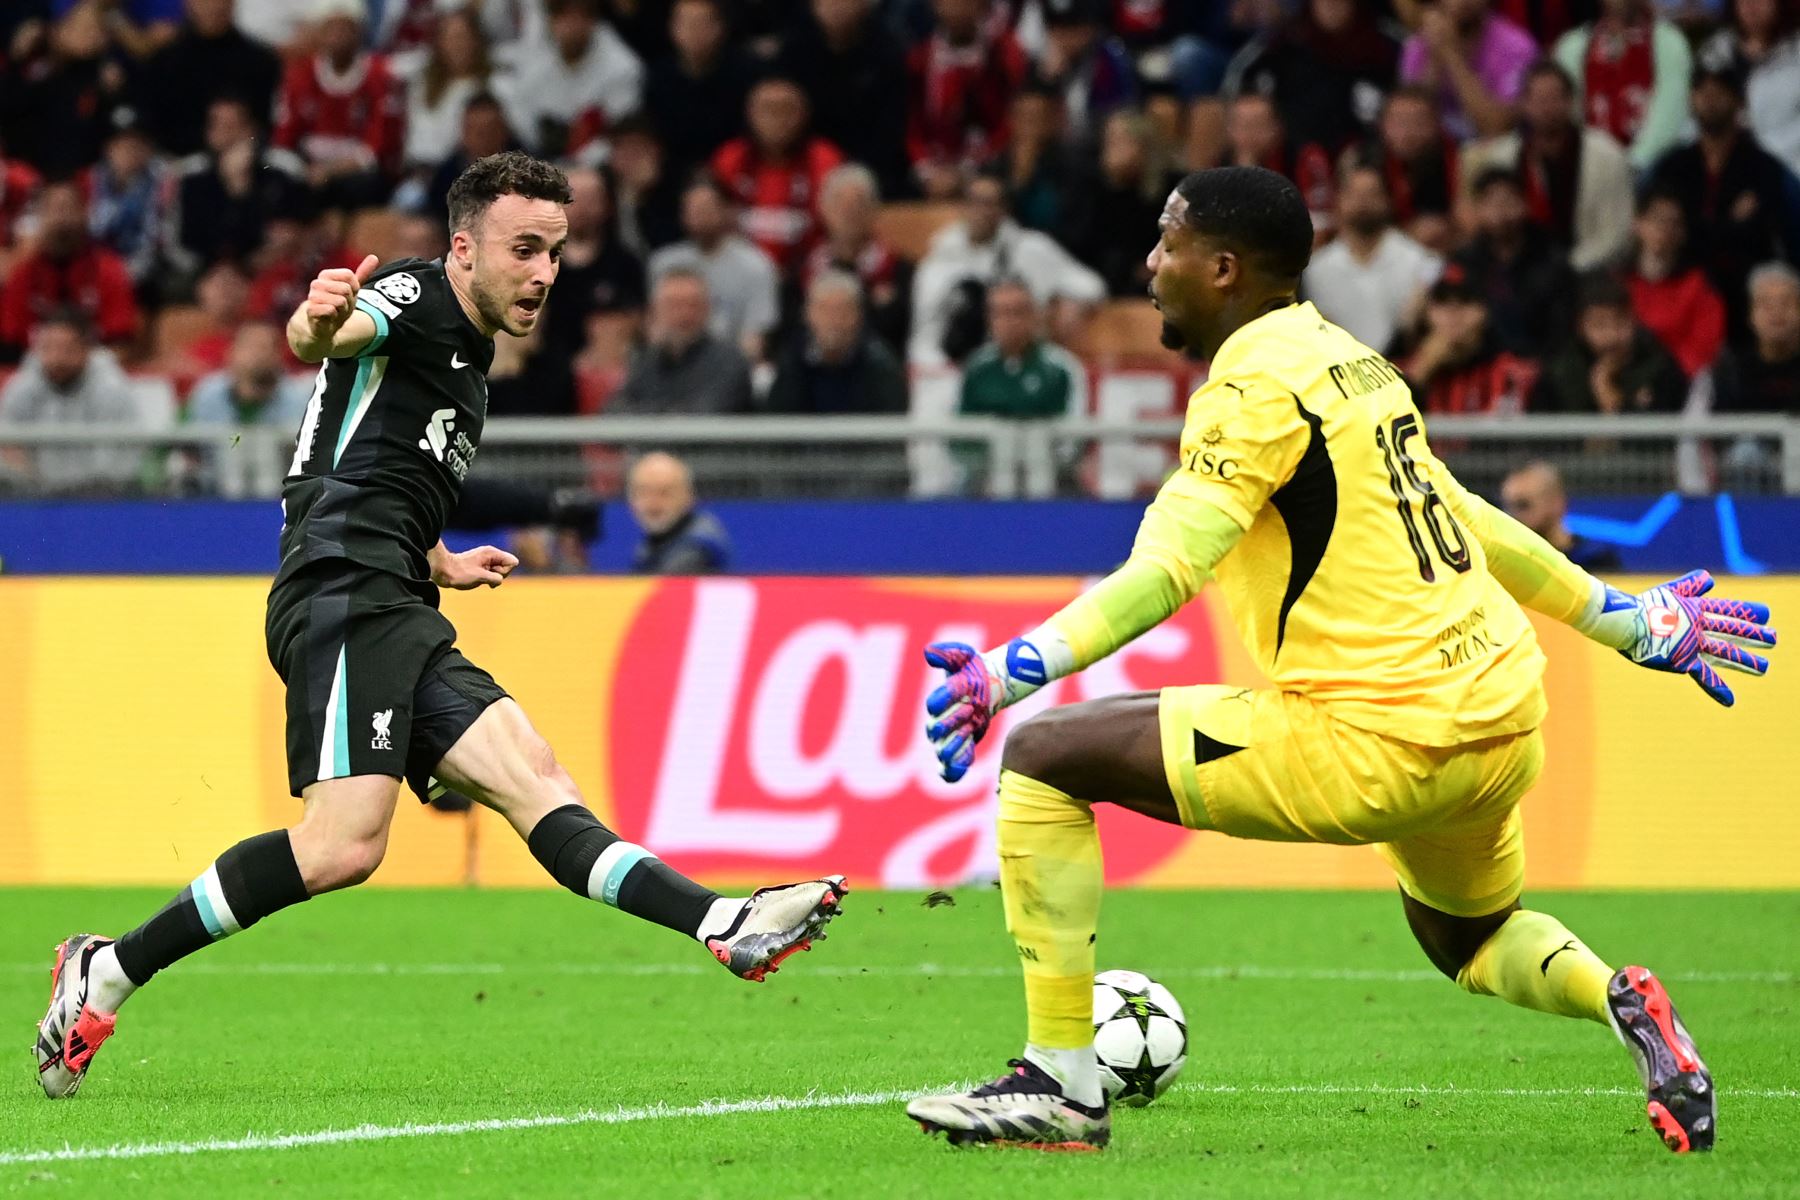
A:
{"x":369,"y":263}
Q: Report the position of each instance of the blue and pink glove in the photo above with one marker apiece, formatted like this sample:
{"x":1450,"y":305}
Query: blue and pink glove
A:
{"x":979,"y":685}
{"x":1673,"y":628}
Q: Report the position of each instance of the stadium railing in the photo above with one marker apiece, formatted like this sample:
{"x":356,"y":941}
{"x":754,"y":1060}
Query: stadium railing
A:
{"x":917,"y":456}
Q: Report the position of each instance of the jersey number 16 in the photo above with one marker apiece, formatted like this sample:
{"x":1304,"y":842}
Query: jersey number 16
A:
{"x":1446,"y":534}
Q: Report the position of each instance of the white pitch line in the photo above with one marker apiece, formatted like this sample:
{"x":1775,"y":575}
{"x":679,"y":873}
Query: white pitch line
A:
{"x":385,"y":1133}
{"x":913,"y":970}
{"x":767,"y":1104}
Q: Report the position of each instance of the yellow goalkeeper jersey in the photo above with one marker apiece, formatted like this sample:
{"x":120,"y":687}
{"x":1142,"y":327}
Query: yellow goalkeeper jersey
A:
{"x":1354,"y":582}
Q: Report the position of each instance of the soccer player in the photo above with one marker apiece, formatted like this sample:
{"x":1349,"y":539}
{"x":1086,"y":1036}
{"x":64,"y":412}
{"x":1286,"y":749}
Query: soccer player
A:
{"x":376,"y":690}
{"x":1382,"y":601}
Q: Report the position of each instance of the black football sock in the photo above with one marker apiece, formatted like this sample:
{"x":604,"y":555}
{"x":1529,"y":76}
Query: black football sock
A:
{"x":254,"y":878}
{"x":591,"y":860}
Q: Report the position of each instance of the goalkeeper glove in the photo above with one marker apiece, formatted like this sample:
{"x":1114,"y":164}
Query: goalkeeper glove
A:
{"x":980,"y":685}
{"x":1673,"y":628}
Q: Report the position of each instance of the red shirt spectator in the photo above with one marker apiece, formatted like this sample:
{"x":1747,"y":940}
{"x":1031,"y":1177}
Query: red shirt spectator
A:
{"x":776,"y":173}
{"x":1459,"y":366}
{"x":342,"y":109}
{"x":67,"y":270}
{"x":1670,"y":296}
{"x":962,"y":81}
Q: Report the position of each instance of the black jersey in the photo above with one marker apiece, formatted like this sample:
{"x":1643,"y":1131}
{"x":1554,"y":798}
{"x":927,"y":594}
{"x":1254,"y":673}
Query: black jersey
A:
{"x":390,"y":434}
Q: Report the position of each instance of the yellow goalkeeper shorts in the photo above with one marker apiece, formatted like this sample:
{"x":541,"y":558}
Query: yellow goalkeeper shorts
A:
{"x":1276,"y":766}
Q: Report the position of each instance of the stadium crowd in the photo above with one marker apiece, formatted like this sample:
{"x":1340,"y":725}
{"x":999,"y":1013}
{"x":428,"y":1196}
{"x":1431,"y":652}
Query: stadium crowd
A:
{"x":1575,"y":206}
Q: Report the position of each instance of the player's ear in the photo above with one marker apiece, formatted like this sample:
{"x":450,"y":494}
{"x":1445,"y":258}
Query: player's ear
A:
{"x":1227,"y":268}
{"x":462,"y":248}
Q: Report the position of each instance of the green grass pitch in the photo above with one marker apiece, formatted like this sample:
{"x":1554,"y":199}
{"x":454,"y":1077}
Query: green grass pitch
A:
{"x":414,"y":1035}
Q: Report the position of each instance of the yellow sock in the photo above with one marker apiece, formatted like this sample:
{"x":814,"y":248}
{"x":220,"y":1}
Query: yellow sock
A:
{"x":1534,"y":962}
{"x":1050,"y":879}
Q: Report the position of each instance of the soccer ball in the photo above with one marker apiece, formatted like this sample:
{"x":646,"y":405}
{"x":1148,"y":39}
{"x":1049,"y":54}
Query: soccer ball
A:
{"x":1140,"y":1036}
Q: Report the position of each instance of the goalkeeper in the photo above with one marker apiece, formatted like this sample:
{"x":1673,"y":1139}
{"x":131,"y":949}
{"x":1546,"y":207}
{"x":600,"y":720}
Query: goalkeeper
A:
{"x":1382,"y":601}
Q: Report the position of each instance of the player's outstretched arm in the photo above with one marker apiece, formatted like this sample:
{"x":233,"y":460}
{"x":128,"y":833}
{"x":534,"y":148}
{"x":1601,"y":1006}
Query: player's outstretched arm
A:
{"x":1179,"y":542}
{"x":327,"y":324}
{"x":1672,"y":627}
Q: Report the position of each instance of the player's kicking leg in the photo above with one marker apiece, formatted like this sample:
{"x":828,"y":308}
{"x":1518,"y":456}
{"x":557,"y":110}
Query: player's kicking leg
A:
{"x":502,"y":762}
{"x":338,"y":843}
{"x":1530,"y":959}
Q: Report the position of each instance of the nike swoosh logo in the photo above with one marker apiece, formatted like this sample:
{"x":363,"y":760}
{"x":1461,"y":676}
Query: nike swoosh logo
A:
{"x":1568,"y":945}
{"x":456,"y":362}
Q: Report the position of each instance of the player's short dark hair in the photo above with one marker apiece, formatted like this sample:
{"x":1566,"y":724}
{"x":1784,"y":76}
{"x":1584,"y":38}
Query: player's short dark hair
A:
{"x":1494,"y":176}
{"x":1257,"y":213}
{"x":509,"y":173}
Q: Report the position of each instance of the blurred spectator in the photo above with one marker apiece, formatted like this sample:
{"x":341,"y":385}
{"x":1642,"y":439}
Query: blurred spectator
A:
{"x":483,"y":131}
{"x":416,"y":236}
{"x":223,"y":296}
{"x":1631,"y":73}
{"x":1255,"y":137}
{"x":962,"y":80}
{"x":853,"y":70}
{"x":138,"y":27}
{"x":774,"y":172}
{"x":581,"y":71}
{"x":1327,"y":69}
{"x":1017,"y":372}
{"x":646,"y":195}
{"x":1019,"y":375}
{"x":1474,"y":59}
{"x":341,"y":110}
{"x":848,"y":202}
{"x":292,"y":253}
{"x":697,"y":93}
{"x":58,"y":103}
{"x":207,"y":60}
{"x":1761,"y":49}
{"x":66,"y":380}
{"x":1762,"y":374}
{"x":1036,"y":162}
{"x":1614,"y":365}
{"x":949,"y":290}
{"x":835,"y":367}
{"x":225,"y":197}
{"x":1460,"y":365}
{"x":683,"y":368}
{"x":19,"y":184}
{"x":598,"y":276}
{"x":679,"y":538}
{"x":1372,"y":278}
{"x":1533,"y":495}
{"x":1087,"y":64}
{"x":253,"y":388}
{"x":1732,"y":191}
{"x":66,"y":269}
{"x":742,"y":285}
{"x":1133,"y":184}
{"x":527,"y":380}
{"x":1577,"y":179}
{"x":1420,"y":163}
{"x":404,"y":31}
{"x":129,"y":193}
{"x":1671,"y":296}
{"x":457,"y":70}
{"x":1524,"y":279}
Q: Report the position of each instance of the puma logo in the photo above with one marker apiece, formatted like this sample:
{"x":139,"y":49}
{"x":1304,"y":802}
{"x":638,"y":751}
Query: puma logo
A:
{"x":1571,"y":944}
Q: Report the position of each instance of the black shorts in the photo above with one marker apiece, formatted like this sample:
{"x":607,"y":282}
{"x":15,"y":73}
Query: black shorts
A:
{"x":375,"y":683}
